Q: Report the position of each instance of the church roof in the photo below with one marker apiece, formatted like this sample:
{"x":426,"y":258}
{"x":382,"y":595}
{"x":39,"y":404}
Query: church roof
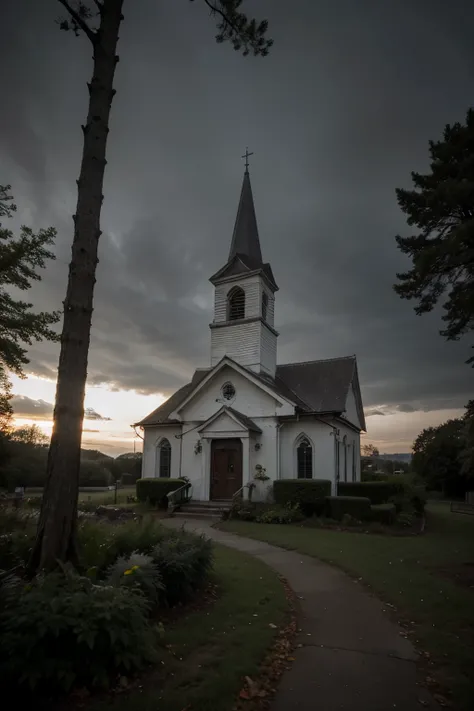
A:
{"x":322,"y":385}
{"x":245,"y":240}
{"x":316,"y":387}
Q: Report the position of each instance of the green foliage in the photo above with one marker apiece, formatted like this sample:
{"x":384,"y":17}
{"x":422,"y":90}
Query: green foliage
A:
{"x":154,"y":490}
{"x":441,"y":208}
{"x":234,"y":27}
{"x":137,"y":570}
{"x":369,"y":475}
{"x":467,"y":455}
{"x":94,"y":474}
{"x":245,"y":510}
{"x":184,"y":561}
{"x":20,"y":262}
{"x":101,"y":544}
{"x":383,"y":513}
{"x":31,"y":434}
{"x":378,"y":492}
{"x":280,"y":514}
{"x":437,"y":458}
{"x":309,"y":494}
{"x":356,"y":506}
{"x":63,"y":630}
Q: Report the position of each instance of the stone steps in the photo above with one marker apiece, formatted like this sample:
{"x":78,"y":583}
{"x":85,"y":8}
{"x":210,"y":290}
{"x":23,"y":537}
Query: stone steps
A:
{"x":202,"y":509}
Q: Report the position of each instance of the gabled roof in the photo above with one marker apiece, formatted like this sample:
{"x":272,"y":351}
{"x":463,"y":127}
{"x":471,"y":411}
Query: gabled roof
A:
{"x":237,"y":416}
{"x":245,"y":238}
{"x":322,"y":385}
{"x":314,"y":387}
{"x":160,"y":416}
{"x":242,"y":264}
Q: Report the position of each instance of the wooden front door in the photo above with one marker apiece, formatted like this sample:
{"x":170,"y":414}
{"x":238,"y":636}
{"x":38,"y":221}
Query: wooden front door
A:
{"x":226,"y":468}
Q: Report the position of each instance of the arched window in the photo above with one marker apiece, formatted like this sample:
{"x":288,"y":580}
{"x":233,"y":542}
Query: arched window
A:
{"x":304,"y":459}
{"x":354,"y":469}
{"x":264,"y":305}
{"x":344,"y":444}
{"x":236,"y":303}
{"x":165,"y":458}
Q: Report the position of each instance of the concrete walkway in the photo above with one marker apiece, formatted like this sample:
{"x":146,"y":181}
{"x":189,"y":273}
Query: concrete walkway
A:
{"x":351,"y":656}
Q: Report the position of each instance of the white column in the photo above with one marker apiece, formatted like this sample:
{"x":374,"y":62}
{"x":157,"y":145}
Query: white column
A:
{"x":205,"y":470}
{"x":245,"y":463}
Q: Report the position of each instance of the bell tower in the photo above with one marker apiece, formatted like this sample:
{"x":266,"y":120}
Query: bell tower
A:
{"x":244,"y":301}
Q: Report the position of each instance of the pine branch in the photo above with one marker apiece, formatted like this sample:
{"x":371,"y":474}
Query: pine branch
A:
{"x":235,"y":27}
{"x":79,"y":22}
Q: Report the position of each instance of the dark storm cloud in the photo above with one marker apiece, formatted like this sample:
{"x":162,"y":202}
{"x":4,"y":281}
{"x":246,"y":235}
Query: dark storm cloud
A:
{"x":24,"y":406}
{"x":338,"y":116}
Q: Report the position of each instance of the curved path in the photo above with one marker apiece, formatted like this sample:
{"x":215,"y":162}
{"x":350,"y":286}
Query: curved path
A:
{"x":350,"y":655}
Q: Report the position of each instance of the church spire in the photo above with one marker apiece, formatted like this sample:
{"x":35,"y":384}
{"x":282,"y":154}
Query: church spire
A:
{"x":245,"y":237}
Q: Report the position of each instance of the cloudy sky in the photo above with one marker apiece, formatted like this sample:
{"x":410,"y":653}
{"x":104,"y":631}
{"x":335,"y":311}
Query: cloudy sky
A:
{"x":338,"y":115}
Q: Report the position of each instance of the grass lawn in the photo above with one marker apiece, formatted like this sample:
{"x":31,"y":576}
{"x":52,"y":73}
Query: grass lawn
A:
{"x":211,"y":650}
{"x":428,"y":578}
{"x":104,"y":497}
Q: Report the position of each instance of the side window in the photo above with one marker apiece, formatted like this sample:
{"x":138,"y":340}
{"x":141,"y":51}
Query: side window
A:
{"x":304,"y":460}
{"x":165,"y":458}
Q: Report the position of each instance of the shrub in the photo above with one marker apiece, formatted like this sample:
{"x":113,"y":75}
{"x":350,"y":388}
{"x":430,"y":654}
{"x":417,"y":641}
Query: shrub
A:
{"x":405,"y":519}
{"x":290,"y":514}
{"x":94,"y":474}
{"x":184,"y":561}
{"x":308,"y":494}
{"x":379,"y":492}
{"x":137,"y":570}
{"x":63,"y":630}
{"x":373,"y":476}
{"x":154,"y":490}
{"x":356,"y":506}
{"x":101,"y":544}
{"x":383,"y":513}
{"x":246,"y":510}
{"x":128,"y":479}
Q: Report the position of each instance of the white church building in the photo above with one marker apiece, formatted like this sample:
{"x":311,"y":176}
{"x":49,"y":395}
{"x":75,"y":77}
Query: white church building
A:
{"x":244,"y":411}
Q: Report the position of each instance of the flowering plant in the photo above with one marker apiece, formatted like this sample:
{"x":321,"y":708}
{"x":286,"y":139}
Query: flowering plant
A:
{"x":260,"y":473}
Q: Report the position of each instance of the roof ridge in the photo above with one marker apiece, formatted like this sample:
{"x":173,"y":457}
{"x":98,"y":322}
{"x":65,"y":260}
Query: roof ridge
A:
{"x":319,"y":360}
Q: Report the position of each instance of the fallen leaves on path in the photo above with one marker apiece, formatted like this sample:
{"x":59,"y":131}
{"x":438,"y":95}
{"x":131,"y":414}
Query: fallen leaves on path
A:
{"x":256,"y":694}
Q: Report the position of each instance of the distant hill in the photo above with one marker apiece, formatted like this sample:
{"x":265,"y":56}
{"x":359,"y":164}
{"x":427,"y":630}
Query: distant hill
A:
{"x":397,"y":457}
{"x":93,"y":455}
{"x":130,"y":455}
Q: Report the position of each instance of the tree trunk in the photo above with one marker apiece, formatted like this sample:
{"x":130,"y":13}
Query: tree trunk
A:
{"x":56,"y":536}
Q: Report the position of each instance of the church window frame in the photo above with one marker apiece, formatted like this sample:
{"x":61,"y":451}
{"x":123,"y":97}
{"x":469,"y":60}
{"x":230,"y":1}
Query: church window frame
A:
{"x":228,"y":391}
{"x":304,"y":457}
{"x":164,"y":458}
{"x":236,"y":304}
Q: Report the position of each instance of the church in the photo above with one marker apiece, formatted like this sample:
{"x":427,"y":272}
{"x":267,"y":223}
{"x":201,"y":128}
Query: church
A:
{"x":245,"y":419}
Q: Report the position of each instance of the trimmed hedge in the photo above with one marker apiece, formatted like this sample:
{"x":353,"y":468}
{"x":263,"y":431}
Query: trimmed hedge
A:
{"x":308,"y":494}
{"x":379,"y":492}
{"x":356,"y":506}
{"x":154,"y":490}
{"x":383,"y":513}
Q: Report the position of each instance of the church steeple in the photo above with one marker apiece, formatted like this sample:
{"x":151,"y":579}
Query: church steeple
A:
{"x":244,"y":299}
{"x":245,"y":239}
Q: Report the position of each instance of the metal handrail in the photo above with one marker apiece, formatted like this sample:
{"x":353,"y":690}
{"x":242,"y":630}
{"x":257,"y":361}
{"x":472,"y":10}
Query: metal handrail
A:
{"x":239,"y":491}
{"x":172,"y":496}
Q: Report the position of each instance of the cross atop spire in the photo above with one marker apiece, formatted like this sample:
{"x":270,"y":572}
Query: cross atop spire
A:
{"x":246,"y":156}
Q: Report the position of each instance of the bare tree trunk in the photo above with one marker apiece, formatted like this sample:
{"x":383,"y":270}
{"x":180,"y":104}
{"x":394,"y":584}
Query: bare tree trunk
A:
{"x":56,"y":536}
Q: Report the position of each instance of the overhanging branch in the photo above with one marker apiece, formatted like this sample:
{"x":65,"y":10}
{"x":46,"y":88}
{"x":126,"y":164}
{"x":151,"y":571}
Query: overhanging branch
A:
{"x":220,"y":12}
{"x":79,"y":21}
